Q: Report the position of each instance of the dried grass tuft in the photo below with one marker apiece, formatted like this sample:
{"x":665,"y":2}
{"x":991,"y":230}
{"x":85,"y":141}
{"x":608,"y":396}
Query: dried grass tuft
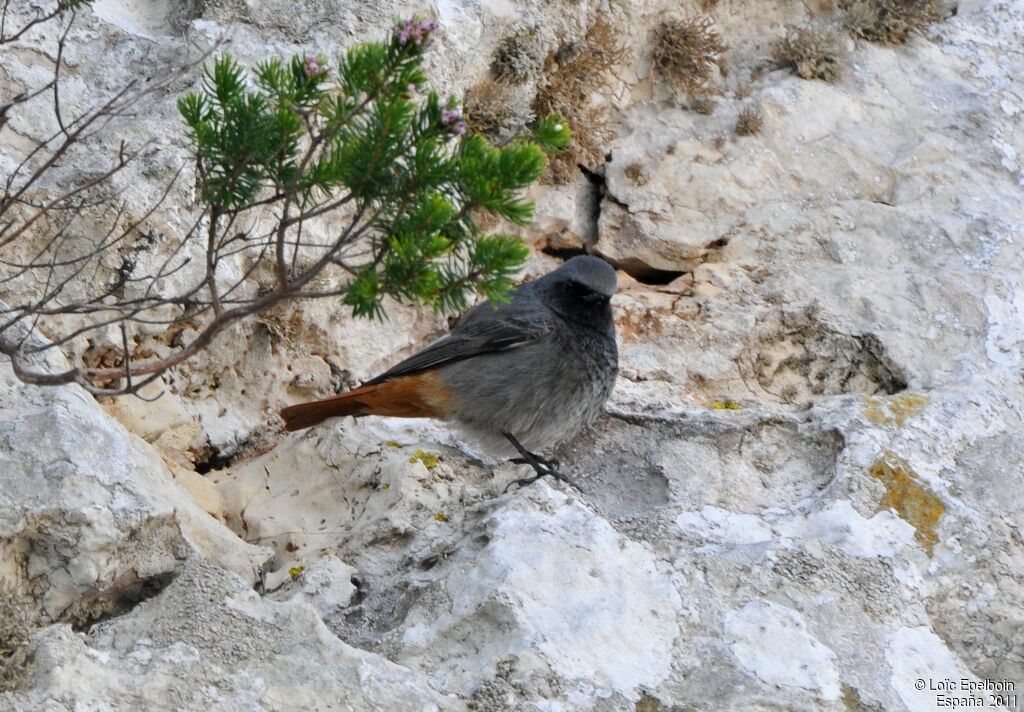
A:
{"x":888,"y":21}
{"x":686,"y":52}
{"x":813,"y":52}
{"x":573,"y":77}
{"x":749,"y":122}
{"x":518,"y":58}
{"x":489,"y":109}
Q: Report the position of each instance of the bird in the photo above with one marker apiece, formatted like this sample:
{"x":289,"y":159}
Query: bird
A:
{"x":531,"y":371}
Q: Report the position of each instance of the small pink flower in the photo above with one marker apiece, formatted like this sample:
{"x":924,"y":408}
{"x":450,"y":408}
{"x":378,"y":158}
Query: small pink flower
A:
{"x":416,"y":32}
{"x":404,"y":31}
{"x":452,"y":119}
{"x":313,"y":68}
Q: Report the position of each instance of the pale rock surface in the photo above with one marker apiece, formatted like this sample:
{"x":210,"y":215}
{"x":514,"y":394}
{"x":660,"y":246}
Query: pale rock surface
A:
{"x":211,"y":642}
{"x":459,"y":559}
{"x":551,"y":571}
{"x":326,"y":584}
{"x":758,"y":631}
{"x":89,"y":515}
{"x":805,"y":494}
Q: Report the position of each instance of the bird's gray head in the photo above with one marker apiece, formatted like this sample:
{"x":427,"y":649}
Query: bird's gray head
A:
{"x":581,"y":289}
{"x":595,"y":274}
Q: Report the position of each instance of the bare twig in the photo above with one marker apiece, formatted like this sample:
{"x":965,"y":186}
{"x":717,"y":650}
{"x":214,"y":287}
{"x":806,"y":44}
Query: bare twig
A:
{"x":106,"y":294}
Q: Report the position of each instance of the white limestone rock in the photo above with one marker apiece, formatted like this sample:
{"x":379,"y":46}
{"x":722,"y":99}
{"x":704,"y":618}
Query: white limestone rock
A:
{"x":812,"y":454}
{"x":546,"y":588}
{"x":89,"y":514}
{"x":208,"y":641}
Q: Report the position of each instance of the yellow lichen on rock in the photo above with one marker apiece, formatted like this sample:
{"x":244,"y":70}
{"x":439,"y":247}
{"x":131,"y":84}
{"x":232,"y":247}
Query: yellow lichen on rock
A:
{"x":909,"y":499}
{"x":905,"y":405}
{"x":893,"y":410}
{"x":429,"y":459}
{"x":874,"y":412}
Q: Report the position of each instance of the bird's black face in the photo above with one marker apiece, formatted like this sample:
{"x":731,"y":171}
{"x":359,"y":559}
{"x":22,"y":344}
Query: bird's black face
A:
{"x":579,"y":303}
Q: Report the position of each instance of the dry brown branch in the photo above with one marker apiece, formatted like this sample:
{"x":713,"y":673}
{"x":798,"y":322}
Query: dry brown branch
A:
{"x":85,"y":274}
{"x":61,"y":253}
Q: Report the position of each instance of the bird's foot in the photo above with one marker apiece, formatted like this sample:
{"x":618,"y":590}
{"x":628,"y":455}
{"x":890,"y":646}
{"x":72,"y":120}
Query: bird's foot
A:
{"x":542,"y":472}
{"x":552,"y":464}
{"x":542,"y":466}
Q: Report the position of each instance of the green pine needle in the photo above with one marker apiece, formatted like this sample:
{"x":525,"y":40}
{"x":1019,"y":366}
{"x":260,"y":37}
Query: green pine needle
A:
{"x":364,"y":133}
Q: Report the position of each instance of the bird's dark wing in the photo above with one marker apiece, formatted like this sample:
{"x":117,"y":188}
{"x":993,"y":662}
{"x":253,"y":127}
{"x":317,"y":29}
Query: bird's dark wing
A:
{"x":483,"y":329}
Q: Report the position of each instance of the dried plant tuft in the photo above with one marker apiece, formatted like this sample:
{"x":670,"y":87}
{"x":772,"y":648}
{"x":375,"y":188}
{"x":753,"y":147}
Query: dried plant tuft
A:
{"x":489,"y":109}
{"x":813,"y":52}
{"x":686,"y":52}
{"x":749,"y":122}
{"x":518,"y":58}
{"x":574,"y":75}
{"x":16,"y":618}
{"x":704,"y":105}
{"x":888,"y":21}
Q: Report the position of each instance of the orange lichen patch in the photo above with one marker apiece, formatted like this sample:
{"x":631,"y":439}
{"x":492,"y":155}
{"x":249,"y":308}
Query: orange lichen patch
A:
{"x":909,"y":499}
{"x":893,"y":410}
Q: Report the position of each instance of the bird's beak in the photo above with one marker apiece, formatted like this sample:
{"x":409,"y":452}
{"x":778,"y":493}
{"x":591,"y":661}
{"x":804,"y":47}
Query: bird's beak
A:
{"x":595,"y":297}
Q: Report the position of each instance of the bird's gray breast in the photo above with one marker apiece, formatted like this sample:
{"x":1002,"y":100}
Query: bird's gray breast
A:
{"x":542,"y":392}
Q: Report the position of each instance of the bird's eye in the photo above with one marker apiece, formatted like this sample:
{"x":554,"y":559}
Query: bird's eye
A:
{"x":578,"y":292}
{"x":576,"y":289}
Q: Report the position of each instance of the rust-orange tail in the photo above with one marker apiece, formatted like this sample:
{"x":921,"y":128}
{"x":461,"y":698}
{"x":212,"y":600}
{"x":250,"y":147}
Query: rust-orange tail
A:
{"x":417,"y":396}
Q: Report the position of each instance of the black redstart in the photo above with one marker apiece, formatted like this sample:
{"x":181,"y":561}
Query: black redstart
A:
{"x":532,"y":371}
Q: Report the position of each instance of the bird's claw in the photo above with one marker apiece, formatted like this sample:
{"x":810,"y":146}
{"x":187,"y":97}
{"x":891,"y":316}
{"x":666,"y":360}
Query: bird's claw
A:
{"x":522,"y":482}
{"x":542,"y":471}
{"x":540,"y":465}
{"x":551,"y":464}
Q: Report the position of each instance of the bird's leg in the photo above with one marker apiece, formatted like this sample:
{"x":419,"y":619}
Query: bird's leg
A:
{"x":543,"y":467}
{"x":552,"y":464}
